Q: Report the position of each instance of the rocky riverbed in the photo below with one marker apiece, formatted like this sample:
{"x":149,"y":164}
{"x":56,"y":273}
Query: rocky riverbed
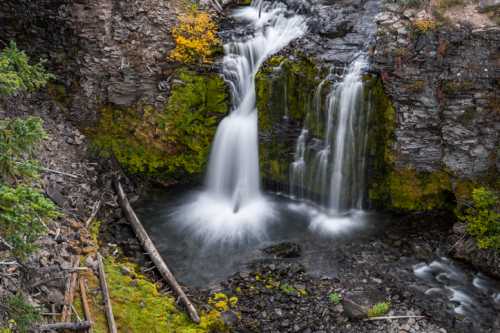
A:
{"x":278,"y":294}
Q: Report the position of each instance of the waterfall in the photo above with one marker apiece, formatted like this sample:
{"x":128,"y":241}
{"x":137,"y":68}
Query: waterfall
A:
{"x":233,"y":170}
{"x":336,"y":171}
{"x":232,"y":204}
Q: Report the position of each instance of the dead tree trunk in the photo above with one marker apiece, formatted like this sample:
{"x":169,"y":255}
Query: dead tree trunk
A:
{"x":79,"y":326}
{"x":153,"y":252}
{"x":105,"y":293}
{"x":70,"y":291}
{"x":85,"y":303}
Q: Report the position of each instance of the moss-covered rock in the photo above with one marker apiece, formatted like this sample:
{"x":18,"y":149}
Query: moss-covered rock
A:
{"x":139,"y":307}
{"x":167,"y":142}
{"x":398,"y":188}
{"x":285,"y":90}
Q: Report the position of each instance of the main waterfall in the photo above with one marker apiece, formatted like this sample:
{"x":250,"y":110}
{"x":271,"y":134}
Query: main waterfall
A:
{"x":232,"y":207}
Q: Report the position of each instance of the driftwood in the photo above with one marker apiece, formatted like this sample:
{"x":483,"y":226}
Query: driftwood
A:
{"x":105,"y":293}
{"x":78,"y":326}
{"x":70,"y":291}
{"x":153,"y":252}
{"x":95,"y":210}
{"x":85,"y":303}
{"x":60,"y":173}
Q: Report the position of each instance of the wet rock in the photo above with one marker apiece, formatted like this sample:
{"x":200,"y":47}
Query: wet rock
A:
{"x":353,"y":310}
{"x":284,"y":250}
{"x":54,"y":191}
{"x":439,"y":122}
{"x":229,"y":318}
{"x":488,"y":5}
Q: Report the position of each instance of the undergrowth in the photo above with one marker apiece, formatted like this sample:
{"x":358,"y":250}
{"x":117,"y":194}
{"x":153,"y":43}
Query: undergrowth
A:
{"x":483,"y":218}
{"x":138,"y":306}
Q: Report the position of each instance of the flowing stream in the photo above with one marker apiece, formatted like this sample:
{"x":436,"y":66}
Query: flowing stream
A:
{"x":232,"y":206}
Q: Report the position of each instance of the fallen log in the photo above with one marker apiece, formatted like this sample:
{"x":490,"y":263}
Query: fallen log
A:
{"x":78,"y":326}
{"x":70,"y":291}
{"x":85,"y":303}
{"x":148,"y":245}
{"x":95,"y":210}
{"x":105,"y":293}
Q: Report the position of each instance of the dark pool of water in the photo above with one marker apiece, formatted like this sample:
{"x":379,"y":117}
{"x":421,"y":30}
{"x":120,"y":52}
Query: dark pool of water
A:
{"x":199,"y":264}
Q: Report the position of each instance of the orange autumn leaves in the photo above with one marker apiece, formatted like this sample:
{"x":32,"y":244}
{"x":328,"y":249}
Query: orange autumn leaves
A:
{"x":195,"y":38}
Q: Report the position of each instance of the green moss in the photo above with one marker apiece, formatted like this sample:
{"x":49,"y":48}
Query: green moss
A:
{"x":94,"y":229}
{"x":285,"y":89}
{"x":173,"y":141}
{"x":412,"y":191}
{"x":381,"y":124}
{"x":379,"y":309}
{"x":139,"y":307}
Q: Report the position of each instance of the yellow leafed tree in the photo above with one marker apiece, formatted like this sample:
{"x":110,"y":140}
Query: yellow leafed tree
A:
{"x":195,"y":37}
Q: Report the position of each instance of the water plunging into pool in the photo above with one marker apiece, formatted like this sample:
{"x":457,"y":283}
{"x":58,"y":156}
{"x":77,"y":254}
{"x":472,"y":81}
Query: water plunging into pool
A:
{"x":333,"y":175}
{"x":232,"y":206}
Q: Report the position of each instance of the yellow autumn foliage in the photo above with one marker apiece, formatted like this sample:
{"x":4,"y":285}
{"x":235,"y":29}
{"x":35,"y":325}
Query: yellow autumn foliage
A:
{"x":195,"y":38}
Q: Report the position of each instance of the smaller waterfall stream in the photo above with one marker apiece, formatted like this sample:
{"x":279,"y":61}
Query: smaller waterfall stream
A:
{"x":332,"y":175}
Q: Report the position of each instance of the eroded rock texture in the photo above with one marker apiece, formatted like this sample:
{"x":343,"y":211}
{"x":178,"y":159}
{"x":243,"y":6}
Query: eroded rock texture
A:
{"x":443,"y":82}
{"x":103,"y":52}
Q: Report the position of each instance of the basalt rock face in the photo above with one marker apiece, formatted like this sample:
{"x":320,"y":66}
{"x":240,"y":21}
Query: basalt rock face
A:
{"x":102,"y":51}
{"x":339,"y":30}
{"x":443,"y":82}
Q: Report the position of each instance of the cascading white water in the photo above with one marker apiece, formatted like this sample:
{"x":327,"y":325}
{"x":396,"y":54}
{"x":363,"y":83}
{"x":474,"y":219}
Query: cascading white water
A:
{"x":232,"y":205}
{"x":345,"y":188}
{"x":333,"y":175}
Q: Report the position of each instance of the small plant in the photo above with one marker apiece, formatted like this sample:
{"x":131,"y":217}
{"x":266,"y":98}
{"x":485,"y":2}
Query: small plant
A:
{"x":424,"y":25}
{"x":22,"y":315}
{"x":287,"y":289}
{"x":16,"y":74}
{"x":335,"y":298}
{"x":18,"y":140}
{"x":483,"y":218}
{"x":195,"y":38}
{"x":23,"y":212}
{"x":379,"y":309}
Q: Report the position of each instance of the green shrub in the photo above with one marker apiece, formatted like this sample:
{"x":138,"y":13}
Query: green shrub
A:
{"x":335,"y":298}
{"x":483,"y":219}
{"x":17,"y":74}
{"x":23,"y":212}
{"x":21,"y":314}
{"x":379,"y":309}
{"x":18,"y":140}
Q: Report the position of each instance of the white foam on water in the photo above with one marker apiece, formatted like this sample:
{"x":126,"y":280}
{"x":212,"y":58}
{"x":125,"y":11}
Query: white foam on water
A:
{"x":213,"y":220}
